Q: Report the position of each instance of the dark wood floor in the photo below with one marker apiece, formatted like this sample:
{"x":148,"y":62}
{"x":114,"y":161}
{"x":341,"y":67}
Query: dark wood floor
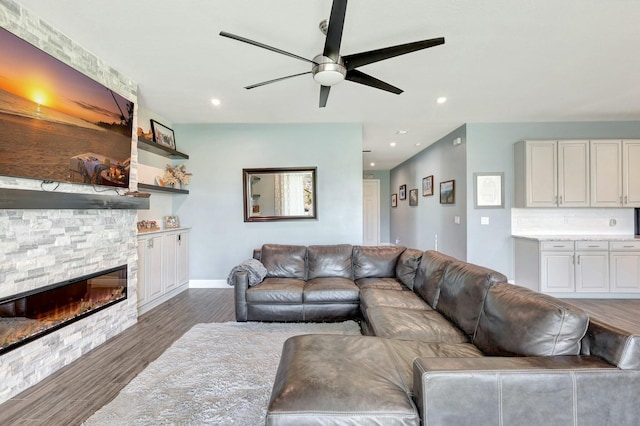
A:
{"x":74,"y":393}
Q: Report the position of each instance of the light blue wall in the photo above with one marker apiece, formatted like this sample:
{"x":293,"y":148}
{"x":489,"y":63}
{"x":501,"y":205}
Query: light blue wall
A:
{"x":220,"y":239}
{"x":385,"y":202}
{"x":418,"y":227}
{"x":490,"y":149}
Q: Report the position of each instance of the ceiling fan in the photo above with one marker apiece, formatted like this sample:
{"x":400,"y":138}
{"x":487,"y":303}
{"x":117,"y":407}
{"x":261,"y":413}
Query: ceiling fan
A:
{"x":329,"y":68}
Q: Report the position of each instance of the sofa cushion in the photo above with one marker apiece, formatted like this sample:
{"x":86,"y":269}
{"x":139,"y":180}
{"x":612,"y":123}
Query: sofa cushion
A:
{"x":429,"y":275}
{"x":380,"y":283}
{"x":517,"y":321}
{"x":410,"y":324}
{"x":284,"y":261}
{"x":407,"y":266}
{"x":276,"y":290}
{"x":371,"y":297}
{"x":331,"y":290}
{"x":462,"y":292}
{"x":329,"y":261}
{"x":378,"y":261}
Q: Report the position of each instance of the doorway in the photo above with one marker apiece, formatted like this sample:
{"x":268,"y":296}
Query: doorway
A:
{"x":371,"y":212}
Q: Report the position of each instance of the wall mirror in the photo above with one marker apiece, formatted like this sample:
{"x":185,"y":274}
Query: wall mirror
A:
{"x":279,"y":194}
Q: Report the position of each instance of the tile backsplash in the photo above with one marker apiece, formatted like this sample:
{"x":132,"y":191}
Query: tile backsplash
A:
{"x":528,"y":221}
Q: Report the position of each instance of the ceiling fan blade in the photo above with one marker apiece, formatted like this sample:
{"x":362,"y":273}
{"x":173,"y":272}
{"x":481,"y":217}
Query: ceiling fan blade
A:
{"x":362,"y":78}
{"x":334,"y":31}
{"x":324,"y":95}
{"x":264,"y":46}
{"x":359,"y":59}
{"x":275,"y":80}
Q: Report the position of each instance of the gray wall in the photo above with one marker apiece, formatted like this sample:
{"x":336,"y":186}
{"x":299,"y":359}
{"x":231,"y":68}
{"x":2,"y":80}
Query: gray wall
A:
{"x":487,"y":147}
{"x":418,"y":227}
{"x":385,"y":202}
{"x":220,"y":238}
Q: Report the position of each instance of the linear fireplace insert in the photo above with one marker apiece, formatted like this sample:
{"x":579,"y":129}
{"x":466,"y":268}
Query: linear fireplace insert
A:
{"x":27,"y":316}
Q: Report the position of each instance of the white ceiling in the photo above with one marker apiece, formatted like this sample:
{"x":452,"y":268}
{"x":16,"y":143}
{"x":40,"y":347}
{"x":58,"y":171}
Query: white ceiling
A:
{"x":503,"y":61}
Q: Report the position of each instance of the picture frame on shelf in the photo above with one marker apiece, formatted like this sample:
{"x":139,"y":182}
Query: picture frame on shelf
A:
{"x":488,"y":190}
{"x":163,"y":135}
{"x":427,"y":186}
{"x":448,"y":192}
{"x":171,"y":222}
{"x":413,"y":197}
{"x":394,"y":200}
{"x":403,"y":192}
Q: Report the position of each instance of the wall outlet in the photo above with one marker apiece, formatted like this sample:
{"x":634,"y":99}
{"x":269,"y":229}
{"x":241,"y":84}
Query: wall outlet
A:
{"x":484,"y":220}
{"x":612,"y":222}
{"x":456,"y":220}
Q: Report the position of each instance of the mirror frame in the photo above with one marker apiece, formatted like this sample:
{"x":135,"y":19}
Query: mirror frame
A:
{"x":246,"y":176}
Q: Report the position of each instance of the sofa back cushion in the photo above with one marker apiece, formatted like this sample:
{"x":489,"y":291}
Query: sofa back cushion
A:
{"x":283,"y":261}
{"x":462,"y":292}
{"x":329,"y":261}
{"x":616,"y":346}
{"x":407,"y":266}
{"x":375,"y":261}
{"x":516,"y":321}
{"x":429,"y":275}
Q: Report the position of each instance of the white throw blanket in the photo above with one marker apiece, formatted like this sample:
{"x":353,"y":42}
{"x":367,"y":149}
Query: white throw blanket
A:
{"x":254,"y":268}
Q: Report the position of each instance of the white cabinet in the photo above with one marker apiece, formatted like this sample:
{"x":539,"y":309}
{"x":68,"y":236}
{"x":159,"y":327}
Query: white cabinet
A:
{"x":575,"y":268}
{"x":631,"y":173}
{"x":606,"y":173}
{"x":624,"y":259}
{"x":551,"y":174}
{"x":557,"y":272}
{"x":163,"y":270}
{"x":149,"y":268}
{"x":591,"y":266}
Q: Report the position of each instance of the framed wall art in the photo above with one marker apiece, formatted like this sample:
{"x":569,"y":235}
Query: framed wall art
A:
{"x":394,"y":200}
{"x":448,"y":192}
{"x":413,"y":197}
{"x":488,"y":190}
{"x":427,"y":186}
{"x":403,"y":192}
{"x":163,"y":135}
{"x":171,"y":222}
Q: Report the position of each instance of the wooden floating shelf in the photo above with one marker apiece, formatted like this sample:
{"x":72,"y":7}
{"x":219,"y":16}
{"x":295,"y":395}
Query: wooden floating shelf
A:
{"x":29,"y":199}
{"x":156,"y":148}
{"x":158,"y":188}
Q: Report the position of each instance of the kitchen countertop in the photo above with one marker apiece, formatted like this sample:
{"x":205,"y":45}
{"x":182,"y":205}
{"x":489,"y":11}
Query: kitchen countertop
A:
{"x":578,"y":237}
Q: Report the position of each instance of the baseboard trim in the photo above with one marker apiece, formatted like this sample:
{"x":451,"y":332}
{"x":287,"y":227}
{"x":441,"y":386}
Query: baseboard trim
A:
{"x":208,"y":284}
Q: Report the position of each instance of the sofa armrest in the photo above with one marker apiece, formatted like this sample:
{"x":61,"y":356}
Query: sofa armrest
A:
{"x":525,"y":390}
{"x":241,"y":284}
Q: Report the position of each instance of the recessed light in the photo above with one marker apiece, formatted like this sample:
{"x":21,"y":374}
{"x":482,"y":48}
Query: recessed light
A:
{"x":441,"y":99}
{"x":372,"y":164}
{"x":215,"y":102}
{"x":418,"y":144}
{"x":402,"y":132}
{"x":392,"y":144}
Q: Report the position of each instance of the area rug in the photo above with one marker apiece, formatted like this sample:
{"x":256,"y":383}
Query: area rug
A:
{"x":215,"y":374}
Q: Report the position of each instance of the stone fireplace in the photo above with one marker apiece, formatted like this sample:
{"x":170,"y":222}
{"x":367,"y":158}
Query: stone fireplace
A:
{"x":43,"y":246}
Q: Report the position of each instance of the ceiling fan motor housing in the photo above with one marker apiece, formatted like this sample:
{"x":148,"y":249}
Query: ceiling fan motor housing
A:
{"x":328,"y":72}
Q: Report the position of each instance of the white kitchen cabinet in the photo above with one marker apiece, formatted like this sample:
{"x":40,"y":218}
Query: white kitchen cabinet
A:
{"x":624,"y":259}
{"x":163,"y":270}
{"x":591,"y":266}
{"x":606,"y":173}
{"x":631,"y":173}
{"x":551,"y":174}
{"x":575,"y":268}
{"x":557,"y":271}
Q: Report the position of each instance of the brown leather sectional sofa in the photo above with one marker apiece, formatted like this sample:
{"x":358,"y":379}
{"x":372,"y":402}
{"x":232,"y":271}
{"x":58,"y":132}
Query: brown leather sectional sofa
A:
{"x":446,"y":343}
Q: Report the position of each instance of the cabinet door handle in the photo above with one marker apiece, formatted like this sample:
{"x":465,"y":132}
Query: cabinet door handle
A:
{"x":558,"y":246}
{"x":150,"y":243}
{"x":560,"y":200}
{"x":578,"y":259}
{"x":625,"y":199}
{"x":593,"y":246}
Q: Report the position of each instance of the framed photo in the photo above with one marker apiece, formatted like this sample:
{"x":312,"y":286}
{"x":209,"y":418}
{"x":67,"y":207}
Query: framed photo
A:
{"x":427,"y":186}
{"x":171,"y":222}
{"x":488,"y":190}
{"x":413,"y":197}
{"x":448,"y":192}
{"x":394,"y":200}
{"x":163,"y":135}
{"x":403,"y":192}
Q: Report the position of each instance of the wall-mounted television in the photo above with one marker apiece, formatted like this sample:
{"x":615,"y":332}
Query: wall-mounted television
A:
{"x":57,"y":124}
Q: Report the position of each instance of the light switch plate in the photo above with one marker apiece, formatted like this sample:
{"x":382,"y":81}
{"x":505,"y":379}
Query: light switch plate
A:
{"x":484,"y":220}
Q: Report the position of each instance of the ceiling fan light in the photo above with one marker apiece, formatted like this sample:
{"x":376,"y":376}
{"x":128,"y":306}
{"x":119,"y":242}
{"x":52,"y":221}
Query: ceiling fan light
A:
{"x":326,"y":72}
